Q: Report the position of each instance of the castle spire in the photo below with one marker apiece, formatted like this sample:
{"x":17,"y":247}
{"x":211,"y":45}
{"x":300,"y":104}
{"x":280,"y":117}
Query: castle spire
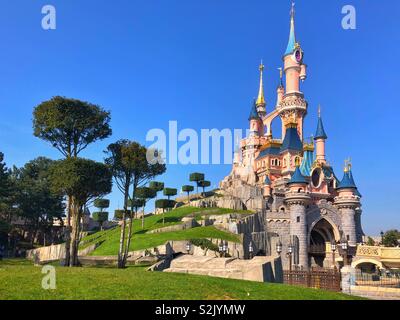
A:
{"x":261,"y":99}
{"x":320,"y":134}
{"x":292,"y":36}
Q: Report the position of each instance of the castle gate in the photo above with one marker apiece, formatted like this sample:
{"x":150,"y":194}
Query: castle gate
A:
{"x":322,"y":234}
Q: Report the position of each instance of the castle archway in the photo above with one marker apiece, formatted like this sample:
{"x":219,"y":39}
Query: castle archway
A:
{"x":322,"y":234}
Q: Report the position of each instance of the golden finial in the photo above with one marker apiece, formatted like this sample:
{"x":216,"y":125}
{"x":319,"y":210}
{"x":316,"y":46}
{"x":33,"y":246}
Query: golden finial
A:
{"x":261,"y":99}
{"x":347,"y":165}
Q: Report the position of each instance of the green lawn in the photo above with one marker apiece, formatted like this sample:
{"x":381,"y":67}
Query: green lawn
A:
{"x":20,"y":280}
{"x":142,"y":240}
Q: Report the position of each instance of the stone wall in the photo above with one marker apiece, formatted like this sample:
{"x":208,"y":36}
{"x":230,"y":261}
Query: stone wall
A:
{"x":260,"y":269}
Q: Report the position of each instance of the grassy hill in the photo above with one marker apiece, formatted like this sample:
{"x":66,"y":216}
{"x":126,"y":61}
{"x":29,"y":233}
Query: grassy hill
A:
{"x":109,"y":239}
{"x":20,"y":280}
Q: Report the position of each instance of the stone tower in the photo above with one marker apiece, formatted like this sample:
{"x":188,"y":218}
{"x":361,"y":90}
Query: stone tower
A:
{"x":297,"y":198}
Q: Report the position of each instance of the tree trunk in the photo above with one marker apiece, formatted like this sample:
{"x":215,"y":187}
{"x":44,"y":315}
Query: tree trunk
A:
{"x":121,"y":251}
{"x":188,"y":198}
{"x":143,"y":216}
{"x":163,"y":216}
{"x":74,"y":243}
{"x":128,"y":239}
{"x":68,"y":233}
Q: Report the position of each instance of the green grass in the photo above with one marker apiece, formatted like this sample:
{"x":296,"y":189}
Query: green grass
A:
{"x":18,"y":280}
{"x":141,"y":240}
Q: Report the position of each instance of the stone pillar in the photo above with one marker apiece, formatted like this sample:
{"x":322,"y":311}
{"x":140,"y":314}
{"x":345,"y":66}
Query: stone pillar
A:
{"x":298,"y":224}
{"x":348,"y":278}
{"x":349,"y":223}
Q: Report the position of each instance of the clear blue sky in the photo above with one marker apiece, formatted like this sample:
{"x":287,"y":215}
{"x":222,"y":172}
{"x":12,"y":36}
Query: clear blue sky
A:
{"x":196,"y":62}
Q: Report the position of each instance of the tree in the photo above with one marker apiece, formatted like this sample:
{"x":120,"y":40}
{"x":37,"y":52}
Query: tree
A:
{"x":118,"y":214}
{"x":204,"y":184}
{"x":144,"y":194}
{"x":370,"y":242}
{"x":35,"y":200}
{"x":196,"y":177}
{"x":84,"y":180}
{"x":70,"y":126}
{"x":157,"y":186}
{"x":391,"y":238}
{"x":6,"y":190}
{"x":188,"y":189}
{"x":129,"y":166}
{"x":101,"y":216}
{"x":170,"y":192}
{"x":165,"y":204}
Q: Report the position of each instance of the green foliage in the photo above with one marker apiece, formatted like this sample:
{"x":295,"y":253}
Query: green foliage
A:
{"x":7,"y":189}
{"x":370,"y":241}
{"x":170,"y":192}
{"x":118,"y":214}
{"x":165,"y":204}
{"x":136,"y":203}
{"x":101,"y":203}
{"x":204,"y":244}
{"x":188,"y":188}
{"x":129,"y":165}
{"x":100,"y":217}
{"x":82,"y":178}
{"x":36,"y":201}
{"x":70,"y":125}
{"x":158,"y":186}
{"x":145,"y":193}
{"x":204,"y":184}
{"x":196,"y":177}
{"x":391,"y":238}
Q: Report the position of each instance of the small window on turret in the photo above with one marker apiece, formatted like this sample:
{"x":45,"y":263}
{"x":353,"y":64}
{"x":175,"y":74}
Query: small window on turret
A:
{"x":298,"y":219}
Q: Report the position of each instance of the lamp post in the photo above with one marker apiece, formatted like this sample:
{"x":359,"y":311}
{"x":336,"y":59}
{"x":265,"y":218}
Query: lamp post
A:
{"x":251,"y":250}
{"x":188,"y":247}
{"x":345,"y":249}
{"x":333,"y":248}
{"x":382,"y":235}
{"x":225,"y":248}
{"x":290,"y":252}
{"x":279,"y":247}
{"x":220,"y":248}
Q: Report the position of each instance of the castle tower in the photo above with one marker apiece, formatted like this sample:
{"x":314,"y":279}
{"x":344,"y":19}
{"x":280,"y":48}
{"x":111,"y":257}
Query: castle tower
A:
{"x":320,"y":138}
{"x":293,"y":104}
{"x":256,"y":124}
{"x":260,"y":102}
{"x":297,"y":198}
{"x":348,"y":203}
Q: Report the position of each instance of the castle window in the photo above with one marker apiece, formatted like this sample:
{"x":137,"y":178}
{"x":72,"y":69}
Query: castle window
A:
{"x":282,"y":210}
{"x":298,"y":219}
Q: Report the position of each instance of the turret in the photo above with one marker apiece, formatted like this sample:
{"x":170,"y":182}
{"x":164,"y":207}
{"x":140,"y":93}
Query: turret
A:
{"x":348,"y":203}
{"x":256,"y":124}
{"x":320,"y":138}
{"x":267,"y":186}
{"x":260,"y":102}
{"x":297,"y":198}
{"x":294,"y":67}
{"x":280,"y":91}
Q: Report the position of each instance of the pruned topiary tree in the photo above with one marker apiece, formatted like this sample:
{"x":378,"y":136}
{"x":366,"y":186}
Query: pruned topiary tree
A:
{"x":204,"y":184}
{"x":144,"y":194}
{"x":188,"y":189}
{"x":170,"y":192}
{"x":196,"y":177}
{"x":157,"y":186}
{"x":101,"y":216}
{"x":165,"y":204}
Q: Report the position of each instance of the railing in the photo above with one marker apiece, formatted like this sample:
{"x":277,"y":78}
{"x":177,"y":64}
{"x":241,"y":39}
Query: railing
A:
{"x":317,"y":279}
{"x":381,"y":252}
{"x":388,"y":280}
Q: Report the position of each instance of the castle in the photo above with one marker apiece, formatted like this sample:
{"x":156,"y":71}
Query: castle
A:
{"x":289,"y":180}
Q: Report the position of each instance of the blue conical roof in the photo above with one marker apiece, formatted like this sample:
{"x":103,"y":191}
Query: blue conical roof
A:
{"x":347,"y":181}
{"x":297,"y":177}
{"x":267,"y":181}
{"x":307,"y":163}
{"x":292,"y":140}
{"x":320,"y":134}
{"x":253,"y":113}
{"x":292,"y":36}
